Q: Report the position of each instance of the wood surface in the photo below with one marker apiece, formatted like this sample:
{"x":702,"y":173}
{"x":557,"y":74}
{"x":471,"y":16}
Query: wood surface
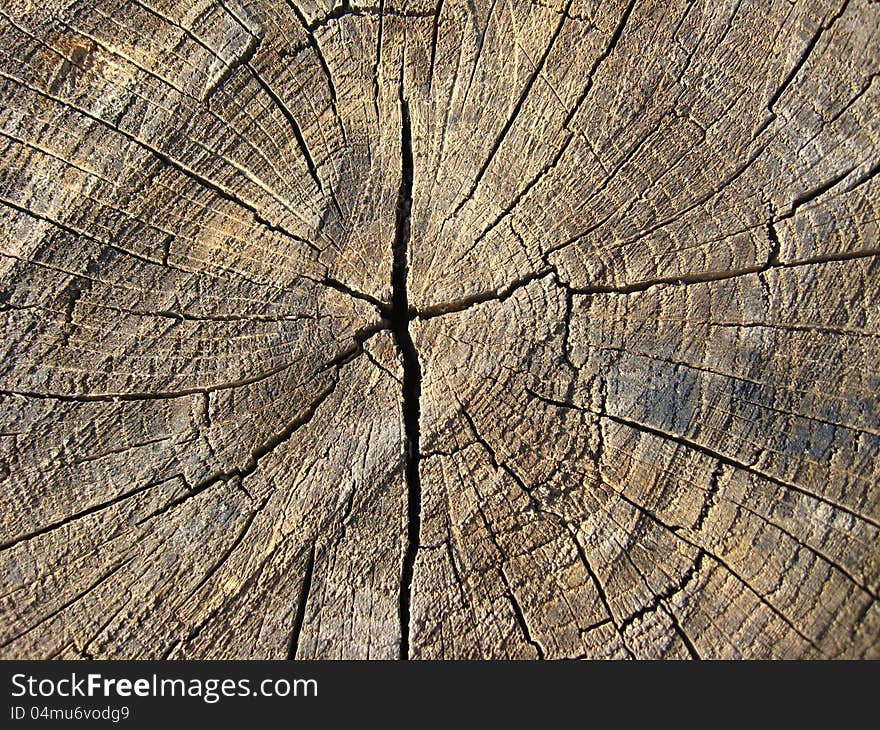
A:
{"x":439,"y":329}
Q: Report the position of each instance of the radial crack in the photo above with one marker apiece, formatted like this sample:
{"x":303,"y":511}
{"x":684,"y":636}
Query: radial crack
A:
{"x":299,"y":618}
{"x":412,"y":375}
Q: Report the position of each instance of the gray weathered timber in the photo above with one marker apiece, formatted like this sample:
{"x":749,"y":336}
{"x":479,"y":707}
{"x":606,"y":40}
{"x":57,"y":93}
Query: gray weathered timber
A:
{"x":439,"y":329}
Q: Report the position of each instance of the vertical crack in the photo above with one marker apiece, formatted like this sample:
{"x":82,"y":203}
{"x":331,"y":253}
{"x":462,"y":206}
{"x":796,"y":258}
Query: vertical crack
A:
{"x":399,"y":318}
{"x":773,"y":239}
{"x":300,"y":617}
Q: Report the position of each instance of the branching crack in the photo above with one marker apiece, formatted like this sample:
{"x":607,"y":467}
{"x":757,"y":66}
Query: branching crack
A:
{"x":663,"y":596}
{"x":268,"y":446}
{"x":398,"y":318}
{"x":558,"y":519}
{"x":495,"y":295}
{"x":515,"y":606}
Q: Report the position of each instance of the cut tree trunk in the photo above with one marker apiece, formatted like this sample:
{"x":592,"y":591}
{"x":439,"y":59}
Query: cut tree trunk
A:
{"x":439,"y":329}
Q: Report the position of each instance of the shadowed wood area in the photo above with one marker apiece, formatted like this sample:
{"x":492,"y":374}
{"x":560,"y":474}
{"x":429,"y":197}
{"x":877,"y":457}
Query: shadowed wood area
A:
{"x":439,"y":329}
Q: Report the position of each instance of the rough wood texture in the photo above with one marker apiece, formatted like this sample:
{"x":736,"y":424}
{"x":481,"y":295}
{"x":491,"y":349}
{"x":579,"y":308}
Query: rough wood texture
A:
{"x":439,"y":328}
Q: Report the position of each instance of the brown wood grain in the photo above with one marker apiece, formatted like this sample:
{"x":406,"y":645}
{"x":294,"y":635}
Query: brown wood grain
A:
{"x":439,"y":329}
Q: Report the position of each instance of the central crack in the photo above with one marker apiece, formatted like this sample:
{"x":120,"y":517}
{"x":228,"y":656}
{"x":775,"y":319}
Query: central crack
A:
{"x":398,"y":318}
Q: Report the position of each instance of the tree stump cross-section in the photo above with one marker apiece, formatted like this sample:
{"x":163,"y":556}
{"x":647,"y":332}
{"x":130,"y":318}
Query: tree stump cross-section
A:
{"x":439,"y":329}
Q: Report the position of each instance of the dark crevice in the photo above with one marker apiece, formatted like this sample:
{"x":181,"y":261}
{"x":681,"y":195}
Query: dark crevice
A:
{"x":167,"y":161}
{"x":84,"y":513}
{"x":517,"y":108}
{"x":685,"y":639}
{"x":795,"y":70}
{"x":550,"y":401}
{"x":600,"y":434}
{"x":677,"y":216}
{"x":354,"y":293}
{"x":243,"y":59}
{"x":166,"y":249}
{"x":503,"y":293}
{"x":713,"y":276}
{"x":74,"y":233}
{"x":380,"y":367}
{"x":466,"y":302}
{"x":561,"y":521}
{"x":612,"y":44}
{"x":565,"y":125}
{"x":184,"y":316}
{"x":398,"y":318}
{"x":72,"y":293}
{"x":662,"y":597}
{"x":566,"y":342}
{"x":342,"y":358}
{"x":760,"y":596}
{"x":67,"y":604}
{"x":802,"y":59}
{"x":498,"y":465}
{"x":773,"y":238}
{"x":325,"y":68}
{"x":378,"y":63}
{"x":313,"y":43}
{"x":300,"y":617}
{"x":456,"y":573}
{"x":479,"y":39}
{"x":862,"y":179}
{"x":510,"y":207}
{"x":434,"y":37}
{"x":346,"y":511}
{"x":247,"y":62}
{"x":104,"y":453}
{"x":340,"y":11}
{"x":598,"y":585}
{"x":346,"y":9}
{"x":808,"y":196}
{"x":226,"y":554}
{"x":736,"y":464}
{"x":294,"y":127}
{"x":713,"y":492}
{"x":515,"y":606}
{"x":271,"y":444}
{"x":710,"y":498}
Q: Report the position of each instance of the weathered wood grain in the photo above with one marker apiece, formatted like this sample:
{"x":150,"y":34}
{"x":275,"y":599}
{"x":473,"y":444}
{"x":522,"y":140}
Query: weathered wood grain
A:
{"x":439,"y":329}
